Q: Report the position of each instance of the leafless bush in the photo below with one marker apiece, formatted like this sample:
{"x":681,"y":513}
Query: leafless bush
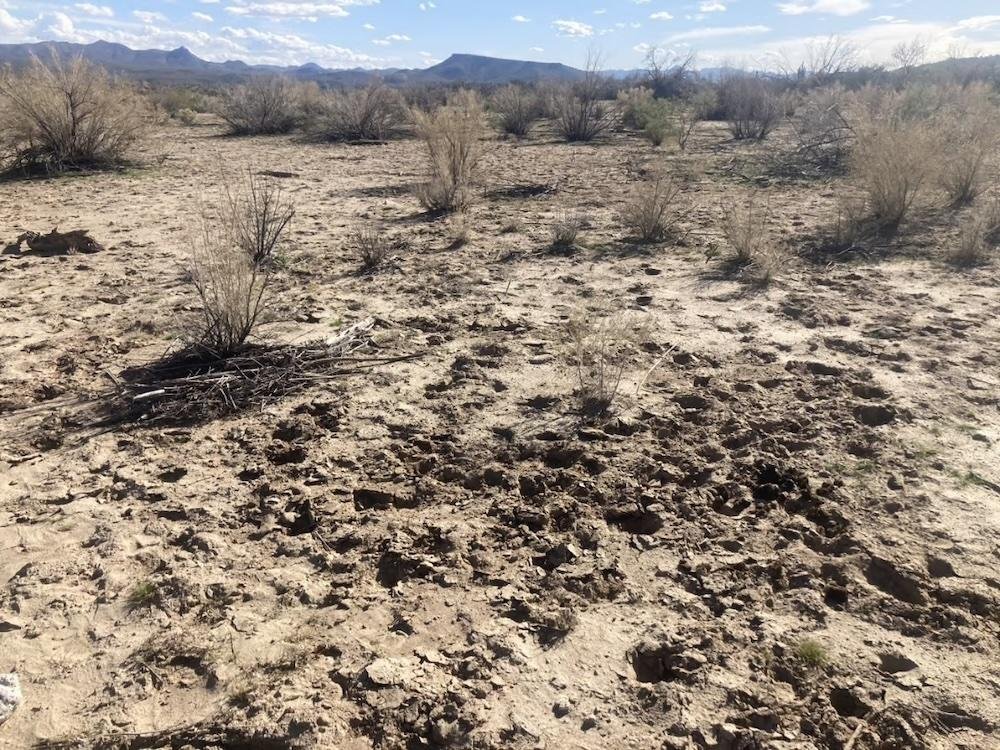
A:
{"x":231,"y":254}
{"x":566,"y":230}
{"x":893,"y":162}
{"x":668,"y":74}
{"x":823,"y":126}
{"x":695,"y":110}
{"x":651,"y":213}
{"x":969,"y":134}
{"x":751,"y":105}
{"x":979,"y":236}
{"x":601,"y":341}
{"x":373,"y":246}
{"x":259,"y":214}
{"x":578,"y":112}
{"x":516,"y":109}
{"x":451,"y":135}
{"x":266,"y":106}
{"x":63,"y":115}
{"x":746,"y":227}
{"x":374,"y":113}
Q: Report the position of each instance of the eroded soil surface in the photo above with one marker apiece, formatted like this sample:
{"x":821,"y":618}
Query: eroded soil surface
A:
{"x":784,"y":536}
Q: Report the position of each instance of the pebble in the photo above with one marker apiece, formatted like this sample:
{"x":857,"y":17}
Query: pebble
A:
{"x":10,"y":695}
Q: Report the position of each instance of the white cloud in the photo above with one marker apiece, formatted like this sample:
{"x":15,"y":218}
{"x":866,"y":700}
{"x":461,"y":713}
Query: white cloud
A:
{"x":98,"y":11}
{"x":202,"y":17}
{"x":426,"y":6}
{"x":574,"y":29}
{"x":711,"y":6}
{"x":661,"y":16}
{"x":833,"y":7}
{"x":10,"y":24}
{"x":715,"y":32}
{"x":978,"y":23}
{"x":149,"y":16}
{"x":391,"y":39}
{"x":520,"y":19}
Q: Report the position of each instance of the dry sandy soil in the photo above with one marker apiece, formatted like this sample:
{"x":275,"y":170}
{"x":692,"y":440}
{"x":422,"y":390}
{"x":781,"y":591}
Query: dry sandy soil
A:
{"x":785,"y":535}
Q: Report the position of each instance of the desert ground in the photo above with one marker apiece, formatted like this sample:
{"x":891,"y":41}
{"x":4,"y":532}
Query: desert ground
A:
{"x":783,"y":535}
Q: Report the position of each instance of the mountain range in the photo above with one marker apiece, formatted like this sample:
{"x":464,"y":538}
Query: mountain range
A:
{"x":182,"y":65}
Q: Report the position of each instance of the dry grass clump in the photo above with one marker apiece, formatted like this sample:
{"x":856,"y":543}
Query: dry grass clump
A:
{"x":969,"y":134}
{"x":746,"y":227}
{"x":696,"y":109}
{"x":232,"y":256}
{"x":268,"y":105}
{"x":979,"y":236}
{"x":651,"y":214}
{"x":566,"y":230}
{"x":515,"y":109}
{"x":893,"y":162}
{"x":451,"y":135}
{"x":65,"y":115}
{"x":823,"y":126}
{"x":373,"y":246}
{"x":751,"y":106}
{"x":375,"y":113}
{"x":601,"y":341}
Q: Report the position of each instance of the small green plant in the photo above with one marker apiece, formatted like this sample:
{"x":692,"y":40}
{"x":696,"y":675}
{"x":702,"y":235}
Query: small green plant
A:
{"x":811,"y":653}
{"x":143,"y":596}
{"x":656,"y":118}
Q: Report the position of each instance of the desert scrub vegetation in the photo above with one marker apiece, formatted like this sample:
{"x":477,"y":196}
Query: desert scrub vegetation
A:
{"x":566,"y":231}
{"x":64,"y":115}
{"x":694,"y":110}
{"x":268,"y":105}
{"x":373,"y":246}
{"x":515,"y":109}
{"x":578,"y":111}
{"x":978,"y":237}
{"x":372,"y":114}
{"x":601,"y":341}
{"x":451,"y":136}
{"x":746,"y":226}
{"x":969,"y":133}
{"x":651,"y":213}
{"x":232,"y":261}
{"x":751,"y":105}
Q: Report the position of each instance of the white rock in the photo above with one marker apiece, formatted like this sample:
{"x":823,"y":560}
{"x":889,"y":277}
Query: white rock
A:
{"x":10,"y":695}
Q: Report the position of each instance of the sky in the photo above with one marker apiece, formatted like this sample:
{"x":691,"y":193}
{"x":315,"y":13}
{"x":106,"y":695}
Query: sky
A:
{"x":411,"y":33}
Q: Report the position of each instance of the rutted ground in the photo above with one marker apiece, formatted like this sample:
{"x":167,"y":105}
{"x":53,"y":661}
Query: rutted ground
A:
{"x":440,"y":553}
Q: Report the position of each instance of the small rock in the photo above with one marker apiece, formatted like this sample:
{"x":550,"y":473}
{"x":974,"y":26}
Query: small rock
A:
{"x":560,"y":709}
{"x":894,"y":662}
{"x":10,"y":695}
{"x":589,"y":723}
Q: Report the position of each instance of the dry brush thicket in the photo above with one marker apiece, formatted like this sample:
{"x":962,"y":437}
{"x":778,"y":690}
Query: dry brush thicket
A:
{"x":58,"y":115}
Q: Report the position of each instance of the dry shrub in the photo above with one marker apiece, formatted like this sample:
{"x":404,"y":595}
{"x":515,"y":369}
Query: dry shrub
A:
{"x":267,"y":105}
{"x":64,"y":115}
{"x":746,"y":227}
{"x":751,"y":105}
{"x":823,"y":126}
{"x":566,"y":230}
{"x":578,"y":112}
{"x":651,"y":213}
{"x":231,"y":261}
{"x":696,"y":109}
{"x":515,"y":109}
{"x":601,"y":342}
{"x":848,"y":227}
{"x":979,"y":236}
{"x":893,"y":161}
{"x":451,"y":135}
{"x":374,"y":113}
{"x":969,"y":134}
{"x":373,"y":246}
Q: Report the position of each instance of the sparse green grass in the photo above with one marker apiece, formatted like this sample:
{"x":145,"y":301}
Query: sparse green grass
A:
{"x":811,"y":653}
{"x":143,"y":596}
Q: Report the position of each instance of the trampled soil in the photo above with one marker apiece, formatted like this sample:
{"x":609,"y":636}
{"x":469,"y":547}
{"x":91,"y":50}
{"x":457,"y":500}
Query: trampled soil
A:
{"x":784,"y":535}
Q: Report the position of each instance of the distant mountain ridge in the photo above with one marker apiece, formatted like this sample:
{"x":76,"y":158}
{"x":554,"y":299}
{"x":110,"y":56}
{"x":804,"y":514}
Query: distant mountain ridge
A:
{"x":182,"y":65}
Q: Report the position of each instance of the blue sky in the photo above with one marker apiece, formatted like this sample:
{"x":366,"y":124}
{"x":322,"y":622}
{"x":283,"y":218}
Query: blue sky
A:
{"x":411,"y":33}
